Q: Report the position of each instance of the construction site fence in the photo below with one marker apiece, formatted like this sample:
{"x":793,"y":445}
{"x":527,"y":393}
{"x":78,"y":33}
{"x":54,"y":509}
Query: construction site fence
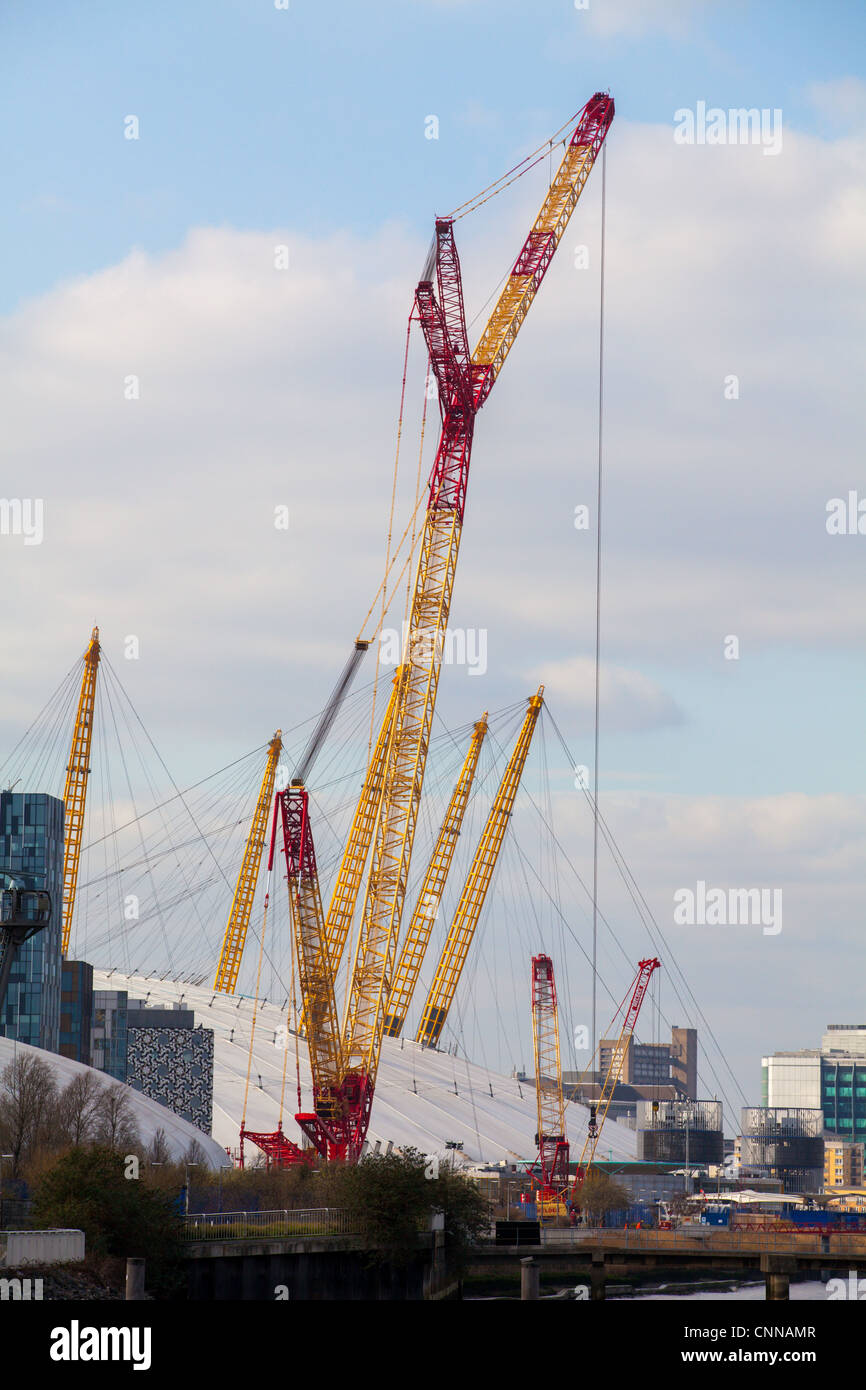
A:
{"x":245,"y":1225}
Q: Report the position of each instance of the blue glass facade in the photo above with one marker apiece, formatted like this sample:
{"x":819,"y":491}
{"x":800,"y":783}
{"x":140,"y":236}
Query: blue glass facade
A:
{"x":76,"y":1010}
{"x":31,"y":845}
{"x":109,"y":1032}
{"x":843,"y":1096}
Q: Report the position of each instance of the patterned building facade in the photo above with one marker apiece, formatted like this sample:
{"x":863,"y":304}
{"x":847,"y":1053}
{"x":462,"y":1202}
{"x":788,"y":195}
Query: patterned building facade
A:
{"x":171,"y":1061}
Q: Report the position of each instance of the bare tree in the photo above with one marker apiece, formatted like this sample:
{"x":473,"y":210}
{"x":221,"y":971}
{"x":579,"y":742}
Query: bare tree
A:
{"x":115,"y":1122}
{"x":158,"y":1150}
{"x":27,"y":1096}
{"x":78,"y":1108}
{"x":196,"y":1154}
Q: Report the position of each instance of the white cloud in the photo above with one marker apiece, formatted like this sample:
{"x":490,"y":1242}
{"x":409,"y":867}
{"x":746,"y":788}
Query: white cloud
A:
{"x":630,"y":699}
{"x":633,"y":18}
{"x":842,"y":100}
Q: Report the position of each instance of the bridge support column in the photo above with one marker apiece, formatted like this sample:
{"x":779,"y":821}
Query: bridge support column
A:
{"x":597,"y":1277}
{"x":529,"y":1278}
{"x":777,"y":1271}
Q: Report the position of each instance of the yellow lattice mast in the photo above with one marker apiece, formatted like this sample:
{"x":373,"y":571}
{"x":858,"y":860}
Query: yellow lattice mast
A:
{"x":348,"y":882}
{"x":462,"y":928}
{"x":238,"y":923}
{"x":75,"y":790}
{"x":421,"y":926}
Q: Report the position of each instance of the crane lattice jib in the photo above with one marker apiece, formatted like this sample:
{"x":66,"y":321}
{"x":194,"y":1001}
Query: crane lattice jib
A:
{"x":644,"y":975}
{"x":531,"y":265}
{"x":314,"y":970}
{"x":348,"y":881}
{"x":465,"y":920}
{"x":238,"y":923}
{"x":443,"y":322}
{"x":552,"y":1142}
{"x":430,"y":897}
{"x":75,"y":790}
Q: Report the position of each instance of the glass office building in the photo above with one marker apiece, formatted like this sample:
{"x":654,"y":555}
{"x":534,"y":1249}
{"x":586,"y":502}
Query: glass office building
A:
{"x":31,"y":849}
{"x":76,"y":1010}
{"x":109,"y":1032}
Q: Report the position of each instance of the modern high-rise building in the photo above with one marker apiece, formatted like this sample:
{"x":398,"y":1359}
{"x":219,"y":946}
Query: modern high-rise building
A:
{"x":831,"y":1079}
{"x":31,"y":851}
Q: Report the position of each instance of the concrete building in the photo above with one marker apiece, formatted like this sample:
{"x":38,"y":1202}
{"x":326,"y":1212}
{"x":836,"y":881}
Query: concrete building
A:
{"x":681,"y":1131}
{"x":843,"y":1164}
{"x":657,"y":1064}
{"x":784,"y":1143}
{"x":31,"y":851}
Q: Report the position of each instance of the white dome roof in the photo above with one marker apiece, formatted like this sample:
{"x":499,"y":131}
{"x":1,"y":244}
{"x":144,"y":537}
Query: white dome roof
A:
{"x":423,"y":1098}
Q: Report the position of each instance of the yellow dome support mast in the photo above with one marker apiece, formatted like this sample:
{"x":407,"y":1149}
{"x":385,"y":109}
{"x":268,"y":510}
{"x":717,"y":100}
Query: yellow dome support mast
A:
{"x":421,"y":926}
{"x":238,"y":923}
{"x":462,"y":928}
{"x":348,"y":882}
{"x":75,"y":790}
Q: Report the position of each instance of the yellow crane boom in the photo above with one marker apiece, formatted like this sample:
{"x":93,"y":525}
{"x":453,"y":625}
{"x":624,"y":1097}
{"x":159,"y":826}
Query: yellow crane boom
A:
{"x":238,"y":923}
{"x":522,"y":284}
{"x":75,"y":790}
{"x":462,"y":928}
{"x":421,"y":926}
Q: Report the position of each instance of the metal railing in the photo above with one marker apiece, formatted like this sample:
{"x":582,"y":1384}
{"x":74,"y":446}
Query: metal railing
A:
{"x":713,"y":1239}
{"x":248,"y":1225}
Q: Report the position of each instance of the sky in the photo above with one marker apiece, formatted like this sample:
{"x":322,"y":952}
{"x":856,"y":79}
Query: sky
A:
{"x":167,"y":384}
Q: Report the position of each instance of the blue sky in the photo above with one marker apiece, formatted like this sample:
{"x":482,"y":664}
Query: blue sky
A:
{"x":252,"y":117}
{"x":154,"y":256}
